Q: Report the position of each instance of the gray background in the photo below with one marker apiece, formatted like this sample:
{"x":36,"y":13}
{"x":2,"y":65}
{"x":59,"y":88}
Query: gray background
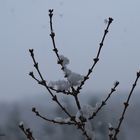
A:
{"x":79,"y":26}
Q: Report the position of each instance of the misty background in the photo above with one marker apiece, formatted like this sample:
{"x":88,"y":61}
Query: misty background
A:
{"x":79,"y":26}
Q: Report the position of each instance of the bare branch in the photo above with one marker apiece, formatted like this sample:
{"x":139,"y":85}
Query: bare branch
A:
{"x":96,"y":59}
{"x":104,"y":102}
{"x":27,"y":132}
{"x":126,"y":104}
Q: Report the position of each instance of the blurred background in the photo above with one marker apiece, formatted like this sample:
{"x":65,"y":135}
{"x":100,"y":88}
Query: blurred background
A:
{"x":79,"y":27}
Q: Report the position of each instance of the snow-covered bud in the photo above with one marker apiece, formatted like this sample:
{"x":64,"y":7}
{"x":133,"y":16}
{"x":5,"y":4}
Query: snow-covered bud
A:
{"x":65,"y":60}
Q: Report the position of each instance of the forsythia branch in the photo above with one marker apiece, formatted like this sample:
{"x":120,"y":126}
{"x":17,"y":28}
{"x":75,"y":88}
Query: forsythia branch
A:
{"x":72,"y":86}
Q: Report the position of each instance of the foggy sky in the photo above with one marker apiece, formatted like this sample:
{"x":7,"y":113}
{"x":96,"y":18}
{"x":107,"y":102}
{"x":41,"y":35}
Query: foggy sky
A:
{"x":79,"y":26}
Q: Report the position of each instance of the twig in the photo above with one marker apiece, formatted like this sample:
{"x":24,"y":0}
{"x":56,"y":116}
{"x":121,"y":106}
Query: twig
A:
{"x":27,"y":132}
{"x":43,"y":82}
{"x":104,"y":102}
{"x":126,"y":104}
{"x":60,"y":91}
{"x":60,"y":61}
{"x":96,"y":59}
{"x":50,"y":120}
{"x":111,"y":129}
{"x":57,"y":91}
{"x":61,"y":122}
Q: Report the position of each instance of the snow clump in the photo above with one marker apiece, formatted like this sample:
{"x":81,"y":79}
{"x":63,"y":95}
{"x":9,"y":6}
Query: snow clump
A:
{"x":73,"y":79}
